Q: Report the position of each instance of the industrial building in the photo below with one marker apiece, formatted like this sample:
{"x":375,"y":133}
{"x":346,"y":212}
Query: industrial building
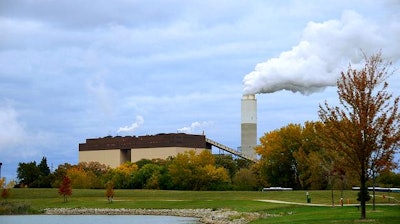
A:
{"x":114,"y":151}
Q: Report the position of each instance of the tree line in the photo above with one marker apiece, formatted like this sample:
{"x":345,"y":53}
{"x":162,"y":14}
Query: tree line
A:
{"x":185,"y":171}
{"x":298,"y":166}
{"x":296,"y":156}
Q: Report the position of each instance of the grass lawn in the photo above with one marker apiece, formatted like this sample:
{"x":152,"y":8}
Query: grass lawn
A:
{"x":235,"y":200}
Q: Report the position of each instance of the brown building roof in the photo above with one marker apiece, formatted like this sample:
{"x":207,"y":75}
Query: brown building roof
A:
{"x":147,"y":141}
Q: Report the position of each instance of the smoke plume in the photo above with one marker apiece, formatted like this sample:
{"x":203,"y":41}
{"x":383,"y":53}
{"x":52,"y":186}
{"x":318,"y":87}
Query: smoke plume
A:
{"x":325,"y":50}
{"x":139,"y":121}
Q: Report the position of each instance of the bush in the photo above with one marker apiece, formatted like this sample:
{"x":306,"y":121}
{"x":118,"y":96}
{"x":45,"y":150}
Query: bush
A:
{"x":9,"y":208}
{"x":366,"y":195}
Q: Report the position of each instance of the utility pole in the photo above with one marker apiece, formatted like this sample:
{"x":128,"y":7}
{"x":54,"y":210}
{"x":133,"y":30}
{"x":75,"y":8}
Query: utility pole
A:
{"x":0,"y":168}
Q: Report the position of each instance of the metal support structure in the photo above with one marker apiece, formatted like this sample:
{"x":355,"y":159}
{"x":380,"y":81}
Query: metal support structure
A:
{"x":230,"y":150}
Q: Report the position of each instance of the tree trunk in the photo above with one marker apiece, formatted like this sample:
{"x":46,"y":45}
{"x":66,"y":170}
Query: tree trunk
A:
{"x":363,"y":189}
{"x":331,"y":183}
{"x":373,"y":190}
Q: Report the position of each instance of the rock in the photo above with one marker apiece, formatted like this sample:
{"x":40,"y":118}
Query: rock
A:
{"x":208,"y":216}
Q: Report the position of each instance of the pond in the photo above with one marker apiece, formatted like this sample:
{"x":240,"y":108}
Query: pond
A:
{"x":95,"y":219}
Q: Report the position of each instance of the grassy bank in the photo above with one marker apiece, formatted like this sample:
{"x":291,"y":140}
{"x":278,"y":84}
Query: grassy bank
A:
{"x":39,"y":199}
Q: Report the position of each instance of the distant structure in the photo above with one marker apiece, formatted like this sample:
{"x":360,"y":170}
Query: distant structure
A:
{"x":249,"y":125}
{"x":114,"y":151}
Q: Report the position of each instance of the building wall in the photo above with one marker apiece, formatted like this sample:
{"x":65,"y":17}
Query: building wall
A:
{"x":114,"y":151}
{"x":116,"y":157}
{"x":111,"y":157}
{"x":159,"y":153}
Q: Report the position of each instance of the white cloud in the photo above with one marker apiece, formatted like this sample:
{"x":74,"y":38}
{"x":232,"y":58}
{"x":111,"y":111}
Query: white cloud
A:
{"x":104,"y":97}
{"x":134,"y":126}
{"x":12,"y":131}
{"x":195,"y":127}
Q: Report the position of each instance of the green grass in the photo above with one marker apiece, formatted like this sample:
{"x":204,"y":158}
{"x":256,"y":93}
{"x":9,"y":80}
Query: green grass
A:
{"x":386,"y":214}
{"x":239,"y":201}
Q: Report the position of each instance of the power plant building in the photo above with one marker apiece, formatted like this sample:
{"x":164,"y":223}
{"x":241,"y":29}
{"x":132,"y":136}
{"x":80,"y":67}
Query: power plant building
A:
{"x":114,"y":151}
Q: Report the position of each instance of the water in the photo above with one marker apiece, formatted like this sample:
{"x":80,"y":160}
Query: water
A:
{"x":95,"y":219}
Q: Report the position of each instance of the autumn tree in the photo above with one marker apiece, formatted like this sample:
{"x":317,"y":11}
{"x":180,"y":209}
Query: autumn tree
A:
{"x":245,"y":180}
{"x":182,"y":170}
{"x":227,"y":162}
{"x":96,"y":168}
{"x":389,"y":179}
{"x":79,"y":178}
{"x":65,"y":188}
{"x":110,"y":191}
{"x":6,"y":188}
{"x":88,"y":175}
{"x":122,"y":175}
{"x":142,"y":162}
{"x":366,"y":127}
{"x":307,"y":157}
{"x":59,"y":174}
{"x":190,"y":171}
{"x":148,"y":176}
{"x":276,"y":150}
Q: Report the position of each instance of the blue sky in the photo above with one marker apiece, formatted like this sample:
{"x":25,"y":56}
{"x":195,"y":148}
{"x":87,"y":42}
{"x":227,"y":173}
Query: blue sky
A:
{"x":71,"y":70}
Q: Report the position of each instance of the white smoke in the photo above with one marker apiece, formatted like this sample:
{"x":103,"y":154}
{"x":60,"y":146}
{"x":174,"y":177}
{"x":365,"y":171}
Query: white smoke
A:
{"x":194,"y":127}
{"x":324,"y":51}
{"x":139,"y":121}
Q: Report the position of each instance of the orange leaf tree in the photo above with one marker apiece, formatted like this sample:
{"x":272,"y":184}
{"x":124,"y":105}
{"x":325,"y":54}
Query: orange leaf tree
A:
{"x":109,"y":191}
{"x":65,"y":188}
{"x":6,"y":188}
{"x":365,"y":129}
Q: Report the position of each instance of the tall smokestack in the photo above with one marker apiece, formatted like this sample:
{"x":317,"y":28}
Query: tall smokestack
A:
{"x":249,"y":125}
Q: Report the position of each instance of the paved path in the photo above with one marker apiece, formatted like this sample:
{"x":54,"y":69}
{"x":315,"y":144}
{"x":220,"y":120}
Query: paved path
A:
{"x":291,"y":203}
{"x":311,"y":204}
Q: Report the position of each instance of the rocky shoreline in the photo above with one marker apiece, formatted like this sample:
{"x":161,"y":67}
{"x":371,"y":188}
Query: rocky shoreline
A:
{"x":208,"y":216}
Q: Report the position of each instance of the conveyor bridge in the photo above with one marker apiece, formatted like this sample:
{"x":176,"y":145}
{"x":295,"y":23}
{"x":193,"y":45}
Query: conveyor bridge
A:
{"x":230,"y":150}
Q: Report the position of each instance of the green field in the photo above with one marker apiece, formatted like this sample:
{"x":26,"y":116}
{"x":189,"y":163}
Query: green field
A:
{"x":39,"y":199}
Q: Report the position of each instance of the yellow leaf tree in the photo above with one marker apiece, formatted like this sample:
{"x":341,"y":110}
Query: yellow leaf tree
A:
{"x":277,"y":155}
{"x":191,"y":171}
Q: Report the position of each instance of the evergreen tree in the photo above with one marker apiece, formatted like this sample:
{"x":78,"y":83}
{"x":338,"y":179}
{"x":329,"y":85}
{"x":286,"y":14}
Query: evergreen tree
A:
{"x":43,"y":167}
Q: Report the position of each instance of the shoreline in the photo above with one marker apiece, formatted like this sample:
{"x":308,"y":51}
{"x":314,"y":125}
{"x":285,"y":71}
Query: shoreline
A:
{"x":207,"y":216}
